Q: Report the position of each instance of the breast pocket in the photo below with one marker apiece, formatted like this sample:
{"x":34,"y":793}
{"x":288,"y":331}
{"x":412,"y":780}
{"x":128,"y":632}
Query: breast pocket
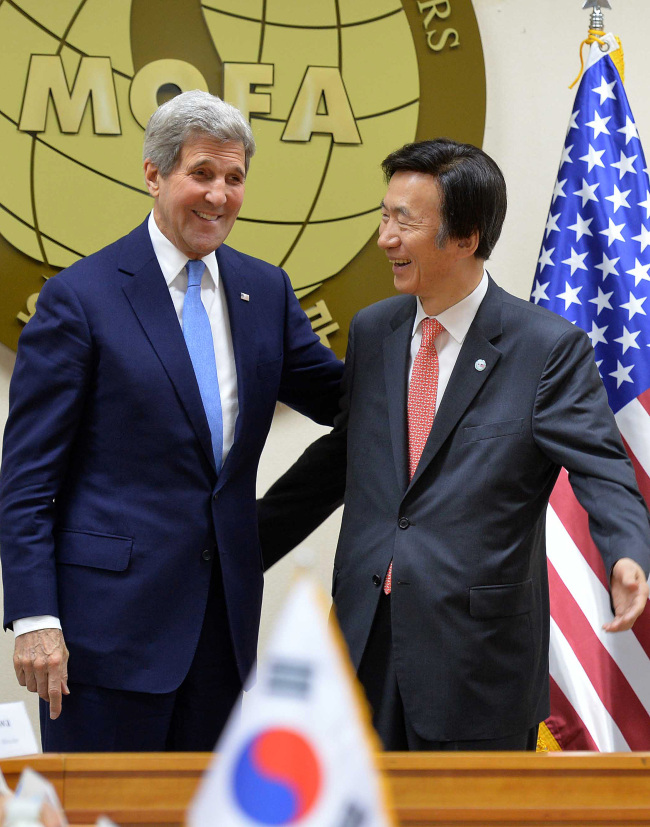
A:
{"x":491,"y":430}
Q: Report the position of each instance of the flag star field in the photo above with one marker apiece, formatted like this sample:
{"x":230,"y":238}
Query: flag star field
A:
{"x":594,"y":262}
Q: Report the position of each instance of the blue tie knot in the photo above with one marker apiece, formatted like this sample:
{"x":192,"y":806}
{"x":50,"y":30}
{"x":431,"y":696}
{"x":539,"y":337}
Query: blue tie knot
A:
{"x":195,"y":268}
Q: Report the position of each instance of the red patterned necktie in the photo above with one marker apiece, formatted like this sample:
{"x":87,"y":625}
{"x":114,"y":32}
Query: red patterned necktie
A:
{"x":423,"y":392}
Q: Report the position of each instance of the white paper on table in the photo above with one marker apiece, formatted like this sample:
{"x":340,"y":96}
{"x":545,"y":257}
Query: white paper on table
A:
{"x":16,"y":733}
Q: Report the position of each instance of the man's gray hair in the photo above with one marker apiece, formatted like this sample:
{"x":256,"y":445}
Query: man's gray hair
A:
{"x":189,"y":115}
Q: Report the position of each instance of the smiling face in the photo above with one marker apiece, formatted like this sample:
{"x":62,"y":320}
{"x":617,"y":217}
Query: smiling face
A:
{"x":197,"y":203}
{"x":441,"y":275}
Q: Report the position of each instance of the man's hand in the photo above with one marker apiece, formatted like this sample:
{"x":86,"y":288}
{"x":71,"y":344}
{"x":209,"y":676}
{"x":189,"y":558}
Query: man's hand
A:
{"x":629,"y":594}
{"x":41,"y":664}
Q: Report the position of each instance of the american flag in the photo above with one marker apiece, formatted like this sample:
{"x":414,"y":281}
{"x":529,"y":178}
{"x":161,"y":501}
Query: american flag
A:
{"x":593,"y":269}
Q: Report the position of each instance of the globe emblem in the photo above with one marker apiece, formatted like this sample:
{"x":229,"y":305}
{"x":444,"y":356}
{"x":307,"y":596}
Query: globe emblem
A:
{"x":311,"y":203}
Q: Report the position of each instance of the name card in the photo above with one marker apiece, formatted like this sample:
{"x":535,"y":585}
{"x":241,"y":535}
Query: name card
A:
{"x":16,"y":733}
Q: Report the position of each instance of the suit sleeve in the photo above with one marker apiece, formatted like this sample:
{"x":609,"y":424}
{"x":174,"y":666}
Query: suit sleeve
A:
{"x":575,"y":427}
{"x":314,"y":486}
{"x":311,"y":373}
{"x":46,"y":399}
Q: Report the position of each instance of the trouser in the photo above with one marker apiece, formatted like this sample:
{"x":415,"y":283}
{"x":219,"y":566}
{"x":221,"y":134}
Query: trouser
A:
{"x":191,"y":718}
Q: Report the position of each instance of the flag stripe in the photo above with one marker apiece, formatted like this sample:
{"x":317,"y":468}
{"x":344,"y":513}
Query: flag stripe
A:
{"x":643,"y":480}
{"x":575,"y":521}
{"x":634,"y":424}
{"x":592,"y":597}
{"x":567,"y":727}
{"x":607,"y":679}
{"x":571,"y":678}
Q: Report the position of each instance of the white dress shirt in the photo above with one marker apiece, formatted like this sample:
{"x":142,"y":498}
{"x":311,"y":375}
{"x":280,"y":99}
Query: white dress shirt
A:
{"x":456,"y":320}
{"x":172,"y":263}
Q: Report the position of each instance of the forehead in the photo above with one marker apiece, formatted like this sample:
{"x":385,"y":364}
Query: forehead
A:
{"x":413,"y":193}
{"x":205,"y":149}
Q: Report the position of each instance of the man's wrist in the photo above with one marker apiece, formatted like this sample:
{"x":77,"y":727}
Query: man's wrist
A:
{"x":35,"y":624}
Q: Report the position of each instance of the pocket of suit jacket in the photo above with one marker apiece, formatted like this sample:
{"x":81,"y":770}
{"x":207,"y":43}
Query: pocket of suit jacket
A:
{"x":89,"y":548}
{"x":507,"y":427}
{"x":508,"y":600}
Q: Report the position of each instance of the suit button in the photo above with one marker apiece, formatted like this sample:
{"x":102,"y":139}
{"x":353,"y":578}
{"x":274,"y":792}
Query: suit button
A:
{"x":403,"y":522}
{"x":376,"y":579}
{"x":206,"y":554}
{"x":215,"y":497}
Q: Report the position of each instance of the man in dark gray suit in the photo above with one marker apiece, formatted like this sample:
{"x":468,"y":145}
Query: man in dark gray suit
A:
{"x":440,"y":581}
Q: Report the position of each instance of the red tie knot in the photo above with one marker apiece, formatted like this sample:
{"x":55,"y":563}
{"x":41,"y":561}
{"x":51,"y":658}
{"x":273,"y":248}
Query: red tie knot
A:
{"x":430,"y":329}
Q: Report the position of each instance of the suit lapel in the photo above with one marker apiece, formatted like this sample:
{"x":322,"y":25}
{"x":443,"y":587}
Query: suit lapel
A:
{"x":396,"y":360}
{"x":466,"y":379}
{"x":241,"y":313}
{"x":148,"y":294}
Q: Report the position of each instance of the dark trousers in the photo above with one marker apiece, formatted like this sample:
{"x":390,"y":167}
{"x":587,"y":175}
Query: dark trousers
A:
{"x":377,"y":674}
{"x":94,"y":719}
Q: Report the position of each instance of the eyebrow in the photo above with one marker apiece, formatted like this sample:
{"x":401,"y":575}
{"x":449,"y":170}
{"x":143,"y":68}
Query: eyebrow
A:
{"x":207,"y":162}
{"x":400,"y":210}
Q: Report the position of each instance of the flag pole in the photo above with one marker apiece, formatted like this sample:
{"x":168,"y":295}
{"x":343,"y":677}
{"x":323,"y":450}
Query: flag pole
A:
{"x":596,"y":30}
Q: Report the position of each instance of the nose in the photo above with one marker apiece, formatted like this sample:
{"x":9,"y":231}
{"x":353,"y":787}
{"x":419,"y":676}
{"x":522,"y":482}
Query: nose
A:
{"x":215,"y":194}
{"x":388,"y":237}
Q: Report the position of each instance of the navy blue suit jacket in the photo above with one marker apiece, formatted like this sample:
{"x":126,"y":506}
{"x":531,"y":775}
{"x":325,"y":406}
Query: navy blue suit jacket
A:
{"x":109,"y":495}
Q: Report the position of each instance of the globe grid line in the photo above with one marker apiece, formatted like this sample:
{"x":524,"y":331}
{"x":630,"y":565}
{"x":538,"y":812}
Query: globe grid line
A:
{"x":262,"y":32}
{"x":32,"y":195}
{"x":277,"y":222}
{"x":64,"y":38}
{"x":45,"y":235}
{"x":356,"y":118}
{"x":55,"y":36}
{"x":326,"y":165}
{"x":79,"y":163}
{"x":306,"y":221}
{"x":298,"y":25}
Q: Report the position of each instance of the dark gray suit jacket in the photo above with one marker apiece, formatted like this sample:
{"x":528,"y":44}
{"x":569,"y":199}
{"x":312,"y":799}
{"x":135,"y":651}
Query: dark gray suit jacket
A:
{"x":470,"y":608}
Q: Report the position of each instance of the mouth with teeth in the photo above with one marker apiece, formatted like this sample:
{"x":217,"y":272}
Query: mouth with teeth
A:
{"x":205,"y":216}
{"x":400,"y":262}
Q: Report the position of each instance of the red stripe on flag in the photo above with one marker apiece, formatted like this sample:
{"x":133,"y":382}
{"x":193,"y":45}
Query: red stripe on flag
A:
{"x":576,"y":522}
{"x":643,"y":480}
{"x":566,"y":726}
{"x":644,"y":399}
{"x":615,"y":693}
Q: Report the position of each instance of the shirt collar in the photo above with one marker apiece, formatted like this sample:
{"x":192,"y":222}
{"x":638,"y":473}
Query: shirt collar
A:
{"x":171,"y":260}
{"x":458,"y":318}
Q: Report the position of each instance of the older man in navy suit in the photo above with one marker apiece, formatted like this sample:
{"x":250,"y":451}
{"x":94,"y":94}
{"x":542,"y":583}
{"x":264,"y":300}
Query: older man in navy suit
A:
{"x":461,"y":405}
{"x":143,"y":392}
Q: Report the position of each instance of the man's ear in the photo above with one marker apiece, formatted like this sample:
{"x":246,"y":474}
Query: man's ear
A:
{"x":468,"y":246}
{"x":151,"y":176}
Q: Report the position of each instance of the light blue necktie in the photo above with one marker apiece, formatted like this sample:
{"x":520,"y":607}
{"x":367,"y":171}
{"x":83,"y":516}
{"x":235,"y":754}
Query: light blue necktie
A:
{"x":198,"y":337}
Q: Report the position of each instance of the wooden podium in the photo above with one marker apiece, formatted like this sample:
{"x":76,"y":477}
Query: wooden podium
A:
{"x":443,"y":789}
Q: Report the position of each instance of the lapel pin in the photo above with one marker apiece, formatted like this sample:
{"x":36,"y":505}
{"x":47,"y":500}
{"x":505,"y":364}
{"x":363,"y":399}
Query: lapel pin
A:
{"x":480,"y":364}
{"x":244,"y":297}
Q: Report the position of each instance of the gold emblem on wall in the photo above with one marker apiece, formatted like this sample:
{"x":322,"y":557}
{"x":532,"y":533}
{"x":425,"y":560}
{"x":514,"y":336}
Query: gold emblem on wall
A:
{"x":330,"y":87}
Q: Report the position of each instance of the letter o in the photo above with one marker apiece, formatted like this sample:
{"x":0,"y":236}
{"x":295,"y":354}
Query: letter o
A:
{"x":143,"y":96}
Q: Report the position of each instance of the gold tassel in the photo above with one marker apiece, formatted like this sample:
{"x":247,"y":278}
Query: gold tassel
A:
{"x":596,"y":36}
{"x":545,"y":740}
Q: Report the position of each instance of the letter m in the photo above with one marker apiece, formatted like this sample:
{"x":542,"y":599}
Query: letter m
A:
{"x":47,"y":79}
